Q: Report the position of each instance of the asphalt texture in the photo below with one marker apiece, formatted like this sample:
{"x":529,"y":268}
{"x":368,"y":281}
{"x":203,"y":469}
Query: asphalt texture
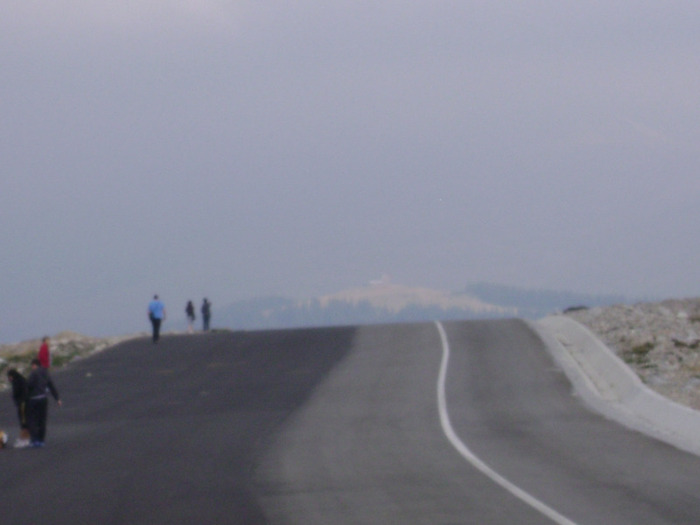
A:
{"x":335,"y":425}
{"x":165,"y":433}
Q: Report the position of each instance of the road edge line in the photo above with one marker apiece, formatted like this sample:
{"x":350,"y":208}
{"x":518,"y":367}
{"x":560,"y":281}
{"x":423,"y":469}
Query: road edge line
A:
{"x":467,"y":454}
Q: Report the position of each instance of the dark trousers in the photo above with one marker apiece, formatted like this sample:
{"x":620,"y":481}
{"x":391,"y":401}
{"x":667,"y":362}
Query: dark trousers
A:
{"x":38,"y":411}
{"x":156,"y":328}
{"x":22,"y":415}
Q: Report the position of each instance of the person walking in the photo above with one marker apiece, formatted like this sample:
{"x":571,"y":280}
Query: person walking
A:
{"x":206,"y":314}
{"x":39,"y":384}
{"x":44,"y":355}
{"x":156,"y":313}
{"x":189,"y":310}
{"x":19,"y":396}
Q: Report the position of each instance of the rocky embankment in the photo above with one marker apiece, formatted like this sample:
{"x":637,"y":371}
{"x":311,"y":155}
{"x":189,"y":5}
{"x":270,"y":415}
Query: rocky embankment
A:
{"x":65,"y":347}
{"x":659,"y":341}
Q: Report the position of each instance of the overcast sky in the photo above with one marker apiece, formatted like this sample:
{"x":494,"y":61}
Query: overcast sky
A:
{"x":236,"y":149}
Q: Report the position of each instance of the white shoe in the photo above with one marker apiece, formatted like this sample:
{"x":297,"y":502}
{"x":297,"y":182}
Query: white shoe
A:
{"x":21,"y":443}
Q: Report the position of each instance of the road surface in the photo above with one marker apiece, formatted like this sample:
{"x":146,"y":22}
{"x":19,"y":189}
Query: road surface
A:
{"x":376,"y":424}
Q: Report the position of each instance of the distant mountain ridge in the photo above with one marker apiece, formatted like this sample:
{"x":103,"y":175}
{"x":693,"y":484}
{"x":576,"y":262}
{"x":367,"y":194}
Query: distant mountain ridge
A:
{"x":396,"y":297}
{"x":533,"y":304}
{"x":384,"y":302}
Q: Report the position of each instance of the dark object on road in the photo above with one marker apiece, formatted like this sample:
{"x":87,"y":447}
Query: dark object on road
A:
{"x":575,"y":309}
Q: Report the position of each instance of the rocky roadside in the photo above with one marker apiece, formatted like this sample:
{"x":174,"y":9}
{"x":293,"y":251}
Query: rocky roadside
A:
{"x":659,"y":341}
{"x":65,"y":347}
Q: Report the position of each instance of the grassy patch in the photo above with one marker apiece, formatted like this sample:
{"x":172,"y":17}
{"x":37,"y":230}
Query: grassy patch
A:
{"x":638,"y":355}
{"x":63,"y":359}
{"x":19,"y":361}
{"x":60,"y":357}
{"x":65,"y":353}
{"x":682,"y":344}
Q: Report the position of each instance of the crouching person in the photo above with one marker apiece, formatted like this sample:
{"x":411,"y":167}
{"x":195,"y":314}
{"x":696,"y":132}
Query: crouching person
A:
{"x":19,"y":396}
{"x":39,"y":384}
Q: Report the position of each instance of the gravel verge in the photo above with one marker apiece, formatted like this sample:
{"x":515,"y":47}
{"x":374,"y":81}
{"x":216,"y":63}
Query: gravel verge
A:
{"x":658,"y":341}
{"x":65,"y":347}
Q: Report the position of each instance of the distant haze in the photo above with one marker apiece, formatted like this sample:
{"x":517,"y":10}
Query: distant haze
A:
{"x":234,"y":150}
{"x":383,"y":302}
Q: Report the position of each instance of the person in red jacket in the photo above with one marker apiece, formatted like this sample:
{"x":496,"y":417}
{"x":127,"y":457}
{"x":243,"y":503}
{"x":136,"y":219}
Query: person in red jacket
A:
{"x":44,"y":355}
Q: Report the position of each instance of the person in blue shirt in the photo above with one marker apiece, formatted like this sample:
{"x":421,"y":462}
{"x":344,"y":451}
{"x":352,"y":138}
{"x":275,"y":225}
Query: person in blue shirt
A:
{"x":156,"y":313}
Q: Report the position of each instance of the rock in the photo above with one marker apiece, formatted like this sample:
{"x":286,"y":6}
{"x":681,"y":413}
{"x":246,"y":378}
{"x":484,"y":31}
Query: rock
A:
{"x":657,"y":340}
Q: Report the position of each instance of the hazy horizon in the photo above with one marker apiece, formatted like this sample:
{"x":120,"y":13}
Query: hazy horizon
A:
{"x":410,"y":301}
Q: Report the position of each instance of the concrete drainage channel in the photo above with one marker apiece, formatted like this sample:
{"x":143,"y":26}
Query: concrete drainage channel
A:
{"x":607,"y":385}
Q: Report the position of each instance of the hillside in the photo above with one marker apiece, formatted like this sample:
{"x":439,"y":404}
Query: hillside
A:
{"x":396,"y":297}
{"x":65,"y":347}
{"x":385,"y":302}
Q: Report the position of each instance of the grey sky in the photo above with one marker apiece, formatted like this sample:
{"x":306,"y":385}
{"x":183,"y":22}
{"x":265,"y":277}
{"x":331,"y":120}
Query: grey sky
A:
{"x":241,"y":149}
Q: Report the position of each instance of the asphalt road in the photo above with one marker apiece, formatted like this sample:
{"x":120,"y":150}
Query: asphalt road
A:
{"x":337,"y":426}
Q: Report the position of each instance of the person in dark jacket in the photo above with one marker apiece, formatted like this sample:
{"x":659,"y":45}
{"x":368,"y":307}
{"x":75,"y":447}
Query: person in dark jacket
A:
{"x":19,"y":396}
{"x":39,"y":384}
{"x":189,"y":311}
{"x":206,"y":314}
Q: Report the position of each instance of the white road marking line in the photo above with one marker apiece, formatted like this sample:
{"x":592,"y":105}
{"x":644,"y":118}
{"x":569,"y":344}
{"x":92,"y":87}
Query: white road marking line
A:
{"x":469,"y":455}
